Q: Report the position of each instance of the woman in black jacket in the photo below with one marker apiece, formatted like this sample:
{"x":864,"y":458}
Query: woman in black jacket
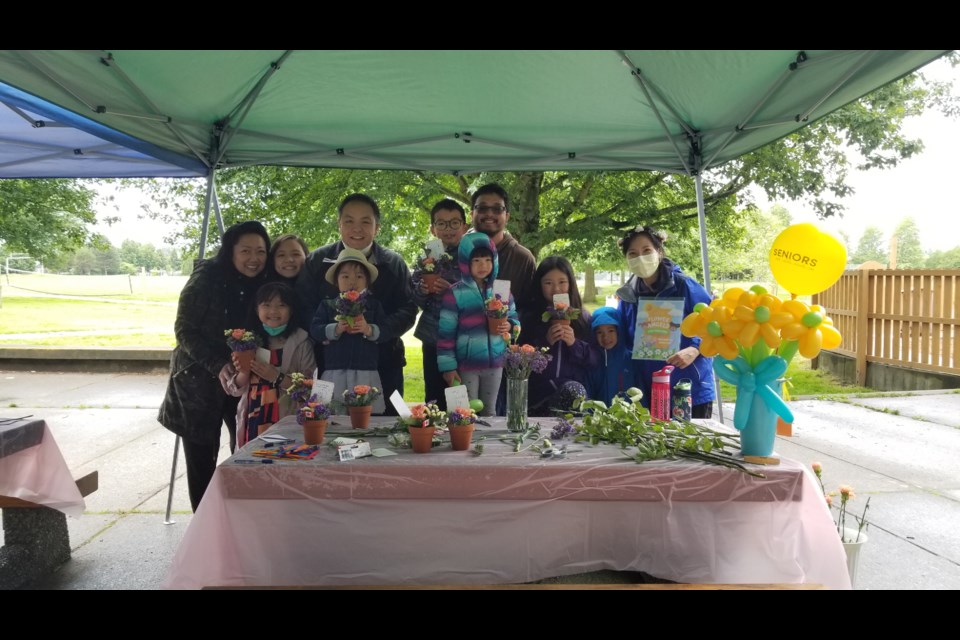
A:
{"x":216,"y":298}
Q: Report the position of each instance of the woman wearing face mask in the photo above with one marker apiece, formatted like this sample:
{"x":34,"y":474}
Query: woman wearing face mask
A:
{"x":655,"y":276}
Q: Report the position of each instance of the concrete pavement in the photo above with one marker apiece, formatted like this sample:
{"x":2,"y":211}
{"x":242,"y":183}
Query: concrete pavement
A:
{"x":901,"y":451}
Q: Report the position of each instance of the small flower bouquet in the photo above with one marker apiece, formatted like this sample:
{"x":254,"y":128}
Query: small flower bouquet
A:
{"x":846,"y":494}
{"x":361,"y":395}
{"x":244,"y":345}
{"x":240,"y":340}
{"x":349,"y":306}
{"x":496,"y":311}
{"x":463,"y":417}
{"x":563,"y":429}
{"x":521,"y":360}
{"x":300,"y":388}
{"x":425,"y":415}
{"x":313,"y":409}
{"x":560,"y":312}
{"x":430,"y":265}
{"x":496,"y":308}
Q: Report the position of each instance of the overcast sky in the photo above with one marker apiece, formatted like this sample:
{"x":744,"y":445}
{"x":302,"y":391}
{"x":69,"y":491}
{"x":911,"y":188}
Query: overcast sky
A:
{"x":923,"y":187}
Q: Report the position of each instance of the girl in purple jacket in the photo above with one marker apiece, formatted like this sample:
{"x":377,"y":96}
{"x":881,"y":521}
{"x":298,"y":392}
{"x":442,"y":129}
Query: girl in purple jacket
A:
{"x":570,"y":345}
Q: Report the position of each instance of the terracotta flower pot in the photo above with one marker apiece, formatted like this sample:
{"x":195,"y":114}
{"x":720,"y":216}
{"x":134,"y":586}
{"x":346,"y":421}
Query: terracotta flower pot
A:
{"x":244,"y":358}
{"x":314,"y":430}
{"x":493,"y":325}
{"x":430,"y":279}
{"x":360,"y":416}
{"x":563,"y":322}
{"x":421,"y":438}
{"x":460,"y":436}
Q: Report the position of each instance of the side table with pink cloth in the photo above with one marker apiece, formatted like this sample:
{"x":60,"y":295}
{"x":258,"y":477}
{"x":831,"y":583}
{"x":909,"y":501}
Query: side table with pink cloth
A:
{"x":33,"y":470}
{"x":451,"y":517}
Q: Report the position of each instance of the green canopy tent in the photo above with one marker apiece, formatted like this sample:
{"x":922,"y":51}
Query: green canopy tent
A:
{"x":451,"y":111}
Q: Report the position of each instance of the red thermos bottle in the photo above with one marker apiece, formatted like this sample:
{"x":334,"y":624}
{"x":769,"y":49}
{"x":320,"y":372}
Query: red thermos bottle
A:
{"x":660,"y":393}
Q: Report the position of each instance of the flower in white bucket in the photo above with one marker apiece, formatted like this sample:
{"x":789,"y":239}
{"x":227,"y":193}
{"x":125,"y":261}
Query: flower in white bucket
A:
{"x":846,"y":495}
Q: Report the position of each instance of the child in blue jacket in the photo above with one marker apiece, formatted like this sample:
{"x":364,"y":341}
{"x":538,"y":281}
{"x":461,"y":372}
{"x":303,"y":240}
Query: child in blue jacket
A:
{"x":617,"y":371}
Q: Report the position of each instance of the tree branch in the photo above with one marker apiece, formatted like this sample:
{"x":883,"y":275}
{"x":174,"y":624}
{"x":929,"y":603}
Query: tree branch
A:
{"x":462,"y":196}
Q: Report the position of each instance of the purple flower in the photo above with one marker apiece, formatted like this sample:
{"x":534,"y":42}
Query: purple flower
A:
{"x":563,"y":429}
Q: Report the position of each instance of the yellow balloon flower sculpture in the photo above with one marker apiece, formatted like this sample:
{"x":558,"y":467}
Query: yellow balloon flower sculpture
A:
{"x":756,"y":335}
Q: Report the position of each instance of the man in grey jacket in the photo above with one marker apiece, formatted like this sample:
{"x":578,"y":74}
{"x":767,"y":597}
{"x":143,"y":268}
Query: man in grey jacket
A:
{"x":359,"y":222}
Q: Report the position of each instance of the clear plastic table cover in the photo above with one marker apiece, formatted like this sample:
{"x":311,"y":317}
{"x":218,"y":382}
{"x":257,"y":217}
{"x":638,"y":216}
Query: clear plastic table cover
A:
{"x":451,"y":517}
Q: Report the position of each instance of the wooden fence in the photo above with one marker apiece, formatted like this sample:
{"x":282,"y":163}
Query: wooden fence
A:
{"x":903,"y":317}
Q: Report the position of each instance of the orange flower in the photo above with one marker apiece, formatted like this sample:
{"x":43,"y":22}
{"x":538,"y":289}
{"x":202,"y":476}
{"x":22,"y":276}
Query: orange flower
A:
{"x":514,"y":348}
{"x":464,"y":411}
{"x":560,"y":306}
{"x":238,"y":334}
{"x":361,"y":389}
{"x":494,"y":304}
{"x":419,"y":412}
{"x":352,"y":295}
{"x":428,"y":261}
{"x":527,"y":349}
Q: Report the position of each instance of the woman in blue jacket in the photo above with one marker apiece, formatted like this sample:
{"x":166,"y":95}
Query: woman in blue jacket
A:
{"x":655,"y":276}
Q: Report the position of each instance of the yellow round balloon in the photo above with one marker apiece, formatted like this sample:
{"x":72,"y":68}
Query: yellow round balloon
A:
{"x":805,"y":260}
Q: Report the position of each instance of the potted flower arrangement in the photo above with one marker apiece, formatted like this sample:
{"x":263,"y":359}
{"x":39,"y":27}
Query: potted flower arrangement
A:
{"x":496,"y":310}
{"x":560,"y":313}
{"x":462,"y":421}
{"x":243,"y":344}
{"x":313,"y":415}
{"x":851,"y":537}
{"x":430,"y":268}
{"x":299,"y":389}
{"x":423,"y":424}
{"x":519,"y":362}
{"x":349,"y":306}
{"x":359,"y":402}
{"x":756,"y":334}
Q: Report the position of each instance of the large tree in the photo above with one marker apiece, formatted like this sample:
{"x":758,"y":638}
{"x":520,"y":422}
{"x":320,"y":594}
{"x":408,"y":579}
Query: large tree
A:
{"x":581,"y":212}
{"x":870,"y":247}
{"x":909,"y":249}
{"x":44,"y":217}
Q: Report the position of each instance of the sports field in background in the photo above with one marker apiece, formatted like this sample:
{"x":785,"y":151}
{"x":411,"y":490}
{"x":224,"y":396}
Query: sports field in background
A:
{"x":139,"y":311}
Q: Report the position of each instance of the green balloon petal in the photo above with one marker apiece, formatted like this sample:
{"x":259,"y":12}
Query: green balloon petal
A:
{"x":812,"y":319}
{"x":714,"y":329}
{"x":762,"y":314}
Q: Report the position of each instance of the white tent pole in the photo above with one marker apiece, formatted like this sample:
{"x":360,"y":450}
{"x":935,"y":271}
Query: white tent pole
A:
{"x":211,"y":194}
{"x":216,"y":209}
{"x":702,"y":217}
{"x":206,"y":214}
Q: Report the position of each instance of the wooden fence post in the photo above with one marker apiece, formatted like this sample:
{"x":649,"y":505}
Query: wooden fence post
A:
{"x":815,"y":362}
{"x":863,"y":339}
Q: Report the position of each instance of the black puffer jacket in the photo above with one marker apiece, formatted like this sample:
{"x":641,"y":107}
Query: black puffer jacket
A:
{"x":211,"y":302}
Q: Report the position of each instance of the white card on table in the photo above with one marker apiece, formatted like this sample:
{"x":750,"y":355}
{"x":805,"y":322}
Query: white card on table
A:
{"x":397,"y":401}
{"x":434,"y":248}
{"x":263,"y":355}
{"x":502,"y":288}
{"x":561,"y":298}
{"x":457,"y":397}
{"x":323,"y":390}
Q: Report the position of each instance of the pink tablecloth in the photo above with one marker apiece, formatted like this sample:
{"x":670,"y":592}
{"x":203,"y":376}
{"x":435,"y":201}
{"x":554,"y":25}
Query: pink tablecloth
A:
{"x":450,"y":517}
{"x":39,"y":474}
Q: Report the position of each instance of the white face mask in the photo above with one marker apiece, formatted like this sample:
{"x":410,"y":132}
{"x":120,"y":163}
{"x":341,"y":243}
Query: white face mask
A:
{"x":644,"y":266}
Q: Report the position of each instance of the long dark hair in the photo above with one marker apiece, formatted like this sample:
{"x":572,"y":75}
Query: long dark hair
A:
{"x":266,"y":293}
{"x":538,"y":303}
{"x":230,"y":239}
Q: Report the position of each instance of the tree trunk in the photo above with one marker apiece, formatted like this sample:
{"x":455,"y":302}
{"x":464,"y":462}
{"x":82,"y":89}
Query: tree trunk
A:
{"x":589,"y":284}
{"x":525,"y":215}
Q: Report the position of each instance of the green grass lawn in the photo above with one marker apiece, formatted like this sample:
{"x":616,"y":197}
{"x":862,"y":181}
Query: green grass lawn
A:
{"x":44,"y":315}
{"x":152,"y":288}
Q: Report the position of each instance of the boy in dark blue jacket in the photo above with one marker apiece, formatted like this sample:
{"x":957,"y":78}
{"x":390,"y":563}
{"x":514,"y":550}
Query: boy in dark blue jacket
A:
{"x":617,"y":371}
